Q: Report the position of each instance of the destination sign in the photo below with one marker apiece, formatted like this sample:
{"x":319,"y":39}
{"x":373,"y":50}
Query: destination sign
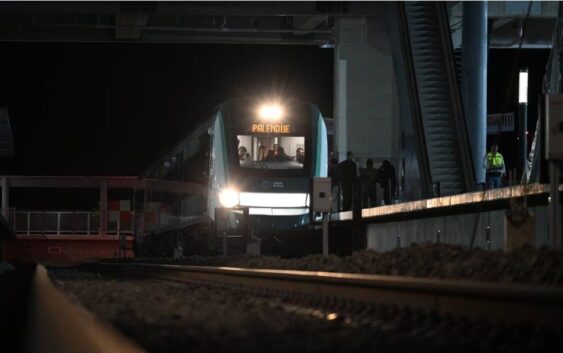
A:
{"x":271,"y":128}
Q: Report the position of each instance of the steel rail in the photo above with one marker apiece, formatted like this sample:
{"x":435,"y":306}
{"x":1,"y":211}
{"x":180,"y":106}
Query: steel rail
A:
{"x":57,"y":325}
{"x":494,"y":302}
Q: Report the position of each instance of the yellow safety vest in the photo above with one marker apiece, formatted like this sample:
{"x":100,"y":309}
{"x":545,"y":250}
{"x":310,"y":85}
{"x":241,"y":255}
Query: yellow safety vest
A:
{"x":495,"y":163}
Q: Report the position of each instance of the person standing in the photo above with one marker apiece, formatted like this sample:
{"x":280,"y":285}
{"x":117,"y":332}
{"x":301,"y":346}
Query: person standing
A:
{"x":493,"y":163}
{"x":387,"y":180}
{"x":280,"y":156}
{"x":300,"y":155}
{"x":335,"y":175}
{"x":349,"y":181}
{"x":368,"y":177}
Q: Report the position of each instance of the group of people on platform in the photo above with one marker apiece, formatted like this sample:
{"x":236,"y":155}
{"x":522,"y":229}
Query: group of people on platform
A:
{"x":360,"y":190}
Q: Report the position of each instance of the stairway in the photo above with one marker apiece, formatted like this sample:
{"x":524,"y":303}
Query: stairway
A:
{"x":439,"y":104}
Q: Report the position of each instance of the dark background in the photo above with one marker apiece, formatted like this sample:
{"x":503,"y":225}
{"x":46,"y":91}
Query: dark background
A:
{"x":503,"y":69}
{"x":112,"y":109}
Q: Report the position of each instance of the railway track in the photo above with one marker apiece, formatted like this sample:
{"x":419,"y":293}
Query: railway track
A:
{"x":476,"y":301}
{"x":36,"y":317}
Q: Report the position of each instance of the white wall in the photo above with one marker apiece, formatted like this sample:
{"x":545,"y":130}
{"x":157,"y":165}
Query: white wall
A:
{"x":366,"y":111}
{"x":457,"y":229}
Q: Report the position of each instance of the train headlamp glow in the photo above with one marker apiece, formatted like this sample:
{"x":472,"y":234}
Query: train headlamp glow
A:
{"x":271,"y":112}
{"x":229,"y":198}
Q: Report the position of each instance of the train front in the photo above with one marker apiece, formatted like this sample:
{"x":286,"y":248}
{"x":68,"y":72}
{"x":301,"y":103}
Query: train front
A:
{"x":273,"y":149}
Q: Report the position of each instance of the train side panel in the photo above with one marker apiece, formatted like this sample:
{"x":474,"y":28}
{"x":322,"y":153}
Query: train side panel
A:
{"x":218,"y":166}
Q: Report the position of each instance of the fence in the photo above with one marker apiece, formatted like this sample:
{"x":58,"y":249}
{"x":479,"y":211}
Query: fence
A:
{"x":90,"y":223}
{"x":68,"y":222}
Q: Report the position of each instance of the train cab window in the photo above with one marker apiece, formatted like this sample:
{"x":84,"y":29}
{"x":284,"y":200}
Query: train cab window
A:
{"x":271,"y":152}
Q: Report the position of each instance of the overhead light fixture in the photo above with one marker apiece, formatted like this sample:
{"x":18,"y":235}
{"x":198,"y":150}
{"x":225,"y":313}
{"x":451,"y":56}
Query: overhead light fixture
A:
{"x":327,"y":45}
{"x":523,"y":87}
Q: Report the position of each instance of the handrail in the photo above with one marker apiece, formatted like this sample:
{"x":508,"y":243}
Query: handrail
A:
{"x":460,"y":124}
{"x":55,"y":324}
{"x":33,"y":222}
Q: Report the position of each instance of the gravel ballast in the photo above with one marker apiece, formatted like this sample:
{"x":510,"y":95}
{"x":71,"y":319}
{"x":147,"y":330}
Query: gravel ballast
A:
{"x":526,"y":265}
{"x":176,"y":317}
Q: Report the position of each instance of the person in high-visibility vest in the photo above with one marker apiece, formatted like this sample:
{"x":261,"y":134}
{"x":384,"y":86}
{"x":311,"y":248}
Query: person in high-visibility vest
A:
{"x":493,"y":163}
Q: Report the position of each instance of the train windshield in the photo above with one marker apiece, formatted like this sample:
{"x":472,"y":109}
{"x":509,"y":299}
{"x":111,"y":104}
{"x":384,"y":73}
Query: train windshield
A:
{"x":271,"y":152}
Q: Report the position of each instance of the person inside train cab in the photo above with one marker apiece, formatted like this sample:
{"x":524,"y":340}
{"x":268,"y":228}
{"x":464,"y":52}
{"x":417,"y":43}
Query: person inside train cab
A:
{"x":270,"y":157}
{"x":262,"y":152}
{"x":493,"y":163}
{"x":243,"y":154}
{"x":280,"y":156}
{"x":300,"y":155}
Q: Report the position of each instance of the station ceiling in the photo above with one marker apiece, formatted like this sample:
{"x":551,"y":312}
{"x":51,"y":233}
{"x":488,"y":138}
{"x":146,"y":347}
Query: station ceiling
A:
{"x":266,"y":22}
{"x":189,"y":22}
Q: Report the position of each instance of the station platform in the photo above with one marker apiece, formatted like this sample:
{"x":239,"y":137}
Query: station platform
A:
{"x":499,"y":219}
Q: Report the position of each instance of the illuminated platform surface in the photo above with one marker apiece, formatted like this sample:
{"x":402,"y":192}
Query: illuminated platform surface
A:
{"x":489,"y":199}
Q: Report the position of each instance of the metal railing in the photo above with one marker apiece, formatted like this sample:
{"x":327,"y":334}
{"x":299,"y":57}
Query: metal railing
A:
{"x":69,"y":222}
{"x":91,"y":222}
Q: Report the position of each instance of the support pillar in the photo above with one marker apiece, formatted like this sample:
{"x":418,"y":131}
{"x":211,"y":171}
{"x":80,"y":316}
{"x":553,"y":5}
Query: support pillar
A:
{"x":365,"y":110}
{"x":522,"y":140}
{"x":474,"y":80}
{"x":555,"y":228}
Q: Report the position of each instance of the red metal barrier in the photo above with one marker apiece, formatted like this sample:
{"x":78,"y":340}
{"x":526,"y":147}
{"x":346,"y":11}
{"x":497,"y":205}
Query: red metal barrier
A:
{"x":61,"y":250}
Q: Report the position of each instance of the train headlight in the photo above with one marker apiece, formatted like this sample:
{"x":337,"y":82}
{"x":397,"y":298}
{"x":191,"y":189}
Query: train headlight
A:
{"x":228,"y":198}
{"x":271,"y":112}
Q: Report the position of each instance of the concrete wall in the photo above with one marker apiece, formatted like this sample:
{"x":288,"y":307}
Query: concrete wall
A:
{"x":456,"y":229}
{"x":366,"y":106}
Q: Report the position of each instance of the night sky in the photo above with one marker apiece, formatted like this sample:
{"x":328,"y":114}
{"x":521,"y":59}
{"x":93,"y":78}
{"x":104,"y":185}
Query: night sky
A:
{"x":112,"y":109}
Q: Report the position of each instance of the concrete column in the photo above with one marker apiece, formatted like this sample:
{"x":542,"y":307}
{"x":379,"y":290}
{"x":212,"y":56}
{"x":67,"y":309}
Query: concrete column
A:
{"x":5,"y":198}
{"x":474,"y":80}
{"x":103,"y":207}
{"x":364,"y":109}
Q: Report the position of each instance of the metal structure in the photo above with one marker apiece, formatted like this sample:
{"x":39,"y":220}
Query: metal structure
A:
{"x":92,"y":222}
{"x":73,"y":235}
{"x":55,"y":324}
{"x":241,"y":22}
{"x":187,"y":22}
{"x":429,"y":85}
{"x":474,"y":80}
{"x":506,"y":23}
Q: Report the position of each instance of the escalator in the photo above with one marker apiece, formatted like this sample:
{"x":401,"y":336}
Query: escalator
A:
{"x":428,"y":74}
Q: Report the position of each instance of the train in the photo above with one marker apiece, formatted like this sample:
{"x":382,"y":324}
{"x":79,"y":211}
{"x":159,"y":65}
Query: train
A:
{"x":255,"y":159}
